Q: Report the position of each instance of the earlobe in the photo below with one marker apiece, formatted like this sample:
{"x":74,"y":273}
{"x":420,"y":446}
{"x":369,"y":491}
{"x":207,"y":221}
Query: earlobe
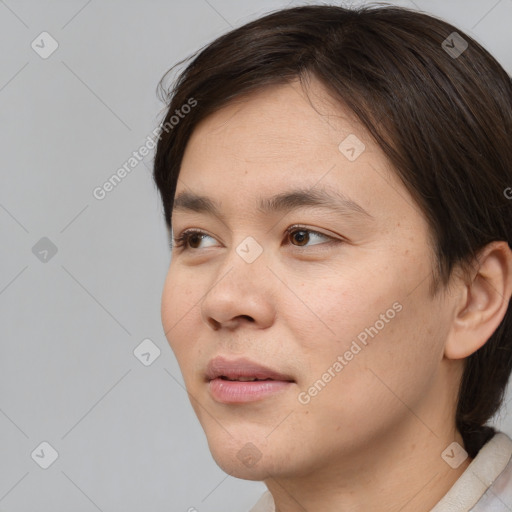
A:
{"x":483,"y":301}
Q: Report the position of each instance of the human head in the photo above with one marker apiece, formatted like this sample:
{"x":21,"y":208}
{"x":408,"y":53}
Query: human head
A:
{"x":443,"y":122}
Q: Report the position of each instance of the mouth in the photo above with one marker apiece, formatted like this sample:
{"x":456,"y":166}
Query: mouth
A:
{"x":243,"y":380}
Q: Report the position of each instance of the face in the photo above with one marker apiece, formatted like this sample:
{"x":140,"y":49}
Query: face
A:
{"x":329,"y":302}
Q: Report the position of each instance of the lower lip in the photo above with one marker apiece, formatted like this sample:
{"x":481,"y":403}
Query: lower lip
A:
{"x":235,"y":391}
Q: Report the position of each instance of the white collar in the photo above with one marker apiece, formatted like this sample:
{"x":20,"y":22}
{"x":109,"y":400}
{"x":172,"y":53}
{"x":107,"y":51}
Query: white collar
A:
{"x":485,"y":468}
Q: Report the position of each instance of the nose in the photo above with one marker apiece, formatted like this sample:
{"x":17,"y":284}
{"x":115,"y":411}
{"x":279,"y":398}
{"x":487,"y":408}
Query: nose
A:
{"x":242,"y":294}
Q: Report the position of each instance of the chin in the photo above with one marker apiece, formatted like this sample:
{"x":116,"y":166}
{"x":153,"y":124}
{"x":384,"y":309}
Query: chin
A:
{"x":240,"y":457}
{"x":232,"y":466}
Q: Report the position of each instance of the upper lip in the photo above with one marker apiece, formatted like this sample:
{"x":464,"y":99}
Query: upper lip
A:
{"x":242,"y":367}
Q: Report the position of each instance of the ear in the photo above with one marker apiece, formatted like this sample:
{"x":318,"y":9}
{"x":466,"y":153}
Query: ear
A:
{"x":483,"y":301}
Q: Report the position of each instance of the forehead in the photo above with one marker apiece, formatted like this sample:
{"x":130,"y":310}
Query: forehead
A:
{"x":277,"y":122}
{"x":279,"y":137}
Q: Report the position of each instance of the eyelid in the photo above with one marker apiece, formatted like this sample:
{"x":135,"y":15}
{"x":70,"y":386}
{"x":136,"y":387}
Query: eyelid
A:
{"x":181,"y":240}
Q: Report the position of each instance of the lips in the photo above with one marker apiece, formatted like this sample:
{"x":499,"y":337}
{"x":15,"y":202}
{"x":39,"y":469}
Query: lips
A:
{"x":241,"y":380}
{"x":243,"y":370}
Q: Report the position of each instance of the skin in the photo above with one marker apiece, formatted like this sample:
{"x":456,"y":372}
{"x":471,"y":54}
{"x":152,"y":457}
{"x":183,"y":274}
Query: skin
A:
{"x":372,"y":438}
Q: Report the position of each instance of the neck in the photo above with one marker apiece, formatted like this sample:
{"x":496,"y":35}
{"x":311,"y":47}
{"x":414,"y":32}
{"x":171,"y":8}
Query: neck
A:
{"x":402,"y":470}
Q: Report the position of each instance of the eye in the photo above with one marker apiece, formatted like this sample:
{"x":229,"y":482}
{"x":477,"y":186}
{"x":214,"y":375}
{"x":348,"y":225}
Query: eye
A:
{"x":305,"y":235}
{"x":184,"y":240}
{"x":189,"y":238}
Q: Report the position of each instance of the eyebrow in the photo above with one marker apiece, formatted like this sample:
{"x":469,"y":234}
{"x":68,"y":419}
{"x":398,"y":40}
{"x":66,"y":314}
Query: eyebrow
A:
{"x":286,"y":201}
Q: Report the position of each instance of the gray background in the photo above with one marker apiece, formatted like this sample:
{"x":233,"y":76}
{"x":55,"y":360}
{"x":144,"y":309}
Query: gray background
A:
{"x":126,"y":437}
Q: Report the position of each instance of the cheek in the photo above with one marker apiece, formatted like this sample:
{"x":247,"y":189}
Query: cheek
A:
{"x":387,"y":338}
{"x":347,"y":303}
{"x":178,"y":310}
{"x":369,"y":392}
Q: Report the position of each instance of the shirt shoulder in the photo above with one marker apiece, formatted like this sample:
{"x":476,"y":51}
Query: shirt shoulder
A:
{"x":486,"y":485}
{"x":499,"y":494}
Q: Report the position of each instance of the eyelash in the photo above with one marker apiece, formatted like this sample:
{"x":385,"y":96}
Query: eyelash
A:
{"x":182,"y":240}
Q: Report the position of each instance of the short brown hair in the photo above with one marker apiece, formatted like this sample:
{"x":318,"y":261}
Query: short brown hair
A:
{"x":443,"y":120}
